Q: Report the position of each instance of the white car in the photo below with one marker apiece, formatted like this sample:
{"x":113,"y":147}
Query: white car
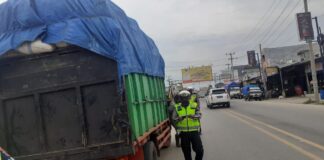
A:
{"x":218,"y":96}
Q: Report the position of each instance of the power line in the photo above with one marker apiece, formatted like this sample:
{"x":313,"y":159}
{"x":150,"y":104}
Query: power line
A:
{"x":231,"y":60}
{"x":269,"y":31}
{"x":281,"y":33}
{"x":259,"y":22}
{"x":271,"y":10}
{"x":270,"y":28}
{"x":284,"y":20}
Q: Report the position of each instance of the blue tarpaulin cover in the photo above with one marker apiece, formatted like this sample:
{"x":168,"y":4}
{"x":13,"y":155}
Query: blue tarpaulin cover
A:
{"x":245,"y":89}
{"x":96,"y":25}
{"x":232,"y":84}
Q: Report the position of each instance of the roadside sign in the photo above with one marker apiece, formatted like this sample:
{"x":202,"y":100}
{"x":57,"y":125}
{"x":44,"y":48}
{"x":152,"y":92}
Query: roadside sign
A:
{"x":197,"y":74}
{"x":305,"y":26}
{"x":251,"y":58}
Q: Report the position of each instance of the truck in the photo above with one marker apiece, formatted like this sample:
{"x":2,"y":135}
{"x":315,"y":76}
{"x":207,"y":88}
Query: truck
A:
{"x":252,"y":92}
{"x":234,"y":90}
{"x":89,"y":99}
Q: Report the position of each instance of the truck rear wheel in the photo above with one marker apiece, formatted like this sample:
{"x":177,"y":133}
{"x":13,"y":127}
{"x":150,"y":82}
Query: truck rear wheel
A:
{"x":150,"y":152}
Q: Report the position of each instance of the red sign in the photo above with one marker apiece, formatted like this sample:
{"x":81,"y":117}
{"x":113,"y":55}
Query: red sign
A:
{"x":305,"y":26}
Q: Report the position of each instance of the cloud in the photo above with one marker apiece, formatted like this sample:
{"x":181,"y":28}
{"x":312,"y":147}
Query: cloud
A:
{"x":200,"y":32}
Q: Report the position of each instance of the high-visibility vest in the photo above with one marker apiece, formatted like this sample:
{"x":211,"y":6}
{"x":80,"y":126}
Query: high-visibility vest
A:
{"x":187,"y":124}
{"x":193,"y":99}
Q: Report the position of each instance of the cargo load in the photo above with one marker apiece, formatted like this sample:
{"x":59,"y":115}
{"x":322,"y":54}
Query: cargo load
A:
{"x":79,"y":80}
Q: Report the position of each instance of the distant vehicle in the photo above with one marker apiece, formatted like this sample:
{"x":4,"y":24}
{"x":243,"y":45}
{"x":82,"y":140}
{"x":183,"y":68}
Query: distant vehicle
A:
{"x":201,"y":95}
{"x":235,"y":92}
{"x":252,"y":92}
{"x":217,"y":97}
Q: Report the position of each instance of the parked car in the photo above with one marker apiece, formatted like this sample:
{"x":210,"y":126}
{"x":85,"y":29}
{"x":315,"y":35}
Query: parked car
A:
{"x":218,"y":97}
{"x":252,"y":92}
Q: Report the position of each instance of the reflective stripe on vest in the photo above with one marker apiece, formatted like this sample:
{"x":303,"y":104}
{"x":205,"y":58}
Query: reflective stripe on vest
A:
{"x":187,"y":124}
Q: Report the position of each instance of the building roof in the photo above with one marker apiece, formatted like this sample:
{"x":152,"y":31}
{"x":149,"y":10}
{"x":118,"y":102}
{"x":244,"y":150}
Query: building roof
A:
{"x":285,"y":56}
{"x":243,"y":67}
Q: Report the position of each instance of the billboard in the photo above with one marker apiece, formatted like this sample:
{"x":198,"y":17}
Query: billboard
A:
{"x":305,"y":26}
{"x":251,"y":58}
{"x":197,"y":74}
{"x":270,"y":71}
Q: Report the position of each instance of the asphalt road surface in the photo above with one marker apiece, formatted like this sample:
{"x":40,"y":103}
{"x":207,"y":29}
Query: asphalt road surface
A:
{"x":260,"y":131}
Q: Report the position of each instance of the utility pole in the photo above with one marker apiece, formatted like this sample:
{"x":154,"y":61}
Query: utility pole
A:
{"x":312,"y":61}
{"x":215,"y":77}
{"x":228,"y":66}
{"x":229,"y":70}
{"x":263,"y":76}
{"x":231,"y":59}
{"x":319,"y":41}
{"x":259,"y":62}
{"x":318,"y":35}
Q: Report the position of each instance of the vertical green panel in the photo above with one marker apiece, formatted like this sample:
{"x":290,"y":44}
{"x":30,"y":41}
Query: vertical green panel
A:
{"x":132,"y":111}
{"x":148,"y":109}
{"x":157,"y":100}
{"x":157,"y":105}
{"x":158,"y":117}
{"x":150,"y":103}
{"x":160,"y":98}
{"x":164,"y":106}
{"x":145,"y":105}
{"x":137,"y":105}
{"x":140,"y":106}
{"x":153,"y":98}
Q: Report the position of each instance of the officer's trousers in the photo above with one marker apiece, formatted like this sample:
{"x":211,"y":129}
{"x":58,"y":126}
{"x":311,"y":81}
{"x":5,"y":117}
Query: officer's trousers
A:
{"x":193,"y":139}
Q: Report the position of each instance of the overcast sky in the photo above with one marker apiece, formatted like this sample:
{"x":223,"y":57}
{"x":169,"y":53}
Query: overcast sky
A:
{"x":200,"y":32}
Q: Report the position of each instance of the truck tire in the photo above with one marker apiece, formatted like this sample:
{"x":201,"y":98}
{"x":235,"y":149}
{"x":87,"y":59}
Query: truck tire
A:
{"x":228,"y":105}
{"x":150,"y":152}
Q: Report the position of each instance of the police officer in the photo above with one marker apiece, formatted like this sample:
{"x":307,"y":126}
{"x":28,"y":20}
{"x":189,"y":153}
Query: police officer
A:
{"x":193,"y":97}
{"x":186,"y":117}
{"x":176,"y":101}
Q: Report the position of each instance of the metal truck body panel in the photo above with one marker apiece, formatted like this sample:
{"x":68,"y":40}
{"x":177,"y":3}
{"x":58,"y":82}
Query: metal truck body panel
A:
{"x":67,"y":105}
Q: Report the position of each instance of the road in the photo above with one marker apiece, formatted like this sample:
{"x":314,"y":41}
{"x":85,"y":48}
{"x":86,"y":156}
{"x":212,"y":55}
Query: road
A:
{"x":260,"y":131}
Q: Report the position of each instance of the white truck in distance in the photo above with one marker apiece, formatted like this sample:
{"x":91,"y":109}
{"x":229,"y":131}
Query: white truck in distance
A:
{"x":217,"y":97}
{"x":235,"y":92}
